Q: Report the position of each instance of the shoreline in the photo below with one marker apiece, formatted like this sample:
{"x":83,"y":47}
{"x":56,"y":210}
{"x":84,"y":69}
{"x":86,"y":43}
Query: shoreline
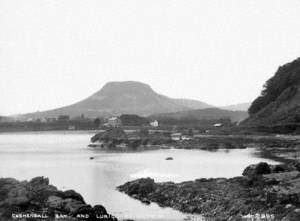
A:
{"x":284,"y":149}
{"x":262,"y":190}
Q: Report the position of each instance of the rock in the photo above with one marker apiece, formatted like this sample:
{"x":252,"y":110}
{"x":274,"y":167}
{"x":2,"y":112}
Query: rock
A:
{"x":85,"y":209}
{"x":38,"y":181}
{"x":295,"y":166}
{"x":141,"y":187}
{"x":55,"y":202}
{"x":37,"y":195}
{"x":73,"y":195}
{"x":91,"y":158}
{"x":169,"y":158}
{"x":100,"y":210}
{"x":145,"y":201}
{"x":257,"y":169}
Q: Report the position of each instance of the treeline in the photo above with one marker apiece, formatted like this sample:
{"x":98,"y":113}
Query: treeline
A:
{"x":133,"y":120}
{"x":116,"y":138}
{"x":127,"y":120}
{"x":47,"y":126}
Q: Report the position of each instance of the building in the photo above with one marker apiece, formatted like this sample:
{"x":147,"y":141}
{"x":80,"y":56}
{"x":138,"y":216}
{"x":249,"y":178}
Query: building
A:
{"x":176,"y":136}
{"x":186,"y":137}
{"x":114,"y":122}
{"x":218,"y":125}
{"x":154,"y":123}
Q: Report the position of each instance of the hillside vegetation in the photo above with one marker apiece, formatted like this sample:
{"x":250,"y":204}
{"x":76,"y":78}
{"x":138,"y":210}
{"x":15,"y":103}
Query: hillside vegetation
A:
{"x":278,"y":106}
{"x":204,"y":114}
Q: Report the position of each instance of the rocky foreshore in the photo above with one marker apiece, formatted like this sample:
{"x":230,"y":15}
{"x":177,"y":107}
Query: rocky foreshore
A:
{"x":264,"y":192}
{"x":38,"y":200}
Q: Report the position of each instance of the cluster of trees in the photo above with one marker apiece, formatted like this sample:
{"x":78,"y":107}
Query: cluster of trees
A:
{"x":133,"y":120}
{"x":286,"y":77}
{"x":41,"y":126}
{"x":115,"y":136}
{"x":112,"y":133}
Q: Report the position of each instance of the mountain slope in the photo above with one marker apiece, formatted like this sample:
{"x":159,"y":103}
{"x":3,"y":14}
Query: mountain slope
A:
{"x":279,"y":102}
{"x":193,"y":104}
{"x":205,"y":114}
{"x":237,"y":107}
{"x":117,"y":98}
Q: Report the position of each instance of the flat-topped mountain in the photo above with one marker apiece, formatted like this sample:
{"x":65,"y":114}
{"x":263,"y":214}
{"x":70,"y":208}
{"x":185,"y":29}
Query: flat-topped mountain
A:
{"x":279,"y":103}
{"x":128,"y":97}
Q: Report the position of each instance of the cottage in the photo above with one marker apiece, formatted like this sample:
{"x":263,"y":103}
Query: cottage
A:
{"x":154,"y":123}
{"x":176,"y":136}
{"x":186,"y":137}
{"x":218,"y":125}
{"x":114,"y":121}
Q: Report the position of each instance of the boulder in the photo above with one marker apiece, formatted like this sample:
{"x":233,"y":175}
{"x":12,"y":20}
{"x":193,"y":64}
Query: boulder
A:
{"x":278,"y":168}
{"x":73,"y":195}
{"x":55,"y":202}
{"x":38,"y":181}
{"x":38,"y":195}
{"x":257,"y":169}
{"x":100,"y":210}
{"x":295,"y":166}
{"x":85,"y":209}
{"x":140,"y":187}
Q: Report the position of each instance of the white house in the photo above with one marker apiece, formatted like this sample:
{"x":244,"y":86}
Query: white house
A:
{"x":154,"y":123}
{"x":176,"y":136}
{"x":218,"y":125}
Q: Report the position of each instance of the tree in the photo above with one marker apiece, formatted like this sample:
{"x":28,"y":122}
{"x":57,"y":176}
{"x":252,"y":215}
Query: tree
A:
{"x":97,"y":122}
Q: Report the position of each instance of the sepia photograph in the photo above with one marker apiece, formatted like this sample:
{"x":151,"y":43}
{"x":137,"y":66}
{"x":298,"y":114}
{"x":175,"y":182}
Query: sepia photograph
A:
{"x":150,"y":110}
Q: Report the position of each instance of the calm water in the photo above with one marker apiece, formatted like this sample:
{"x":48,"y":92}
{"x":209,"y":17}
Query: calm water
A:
{"x":64,"y":158}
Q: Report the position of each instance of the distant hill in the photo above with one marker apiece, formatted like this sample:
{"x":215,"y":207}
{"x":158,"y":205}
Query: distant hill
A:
{"x":279,"y":102}
{"x":193,"y":104}
{"x":205,"y":114}
{"x":237,"y":107}
{"x":128,"y":97}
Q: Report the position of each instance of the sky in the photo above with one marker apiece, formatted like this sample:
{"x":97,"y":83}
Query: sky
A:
{"x":57,"y":52}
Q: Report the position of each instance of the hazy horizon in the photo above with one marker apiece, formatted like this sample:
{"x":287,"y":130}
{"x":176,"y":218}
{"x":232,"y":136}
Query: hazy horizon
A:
{"x":55,"y":53}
